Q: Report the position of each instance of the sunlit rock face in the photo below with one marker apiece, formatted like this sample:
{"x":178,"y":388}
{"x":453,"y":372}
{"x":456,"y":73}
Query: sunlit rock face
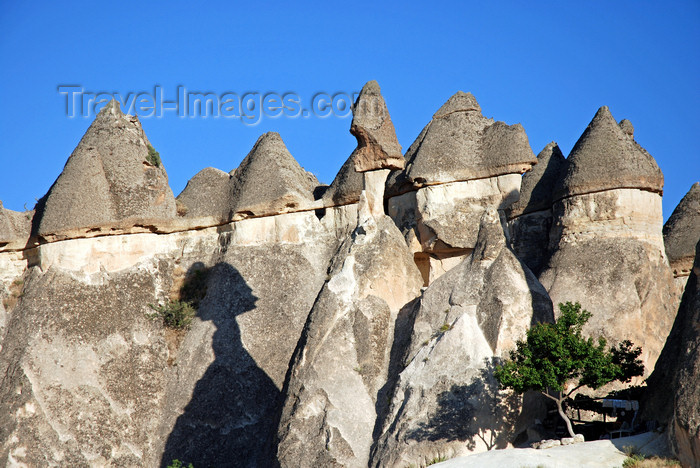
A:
{"x":606,"y":242}
{"x":337,"y":382}
{"x":93,"y":380}
{"x":446,"y":401}
{"x":109,"y":180}
{"x":461,"y":164}
{"x":327,"y":333}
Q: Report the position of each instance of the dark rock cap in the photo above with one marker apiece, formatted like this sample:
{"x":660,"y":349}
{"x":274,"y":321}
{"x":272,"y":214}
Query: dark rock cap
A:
{"x":206,"y":194}
{"x":377,"y":145}
{"x":461,"y":144}
{"x":270,"y":181}
{"x":347,"y":185}
{"x":607,"y":158}
{"x":113,"y":175}
{"x":14,"y":225}
{"x":682,"y":230}
{"x":538,"y":185}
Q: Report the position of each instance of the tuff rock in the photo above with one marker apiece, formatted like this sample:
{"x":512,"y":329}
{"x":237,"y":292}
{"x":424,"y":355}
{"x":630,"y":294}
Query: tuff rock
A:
{"x":109,"y":180}
{"x":314,"y":343}
{"x":606,"y":241}
{"x":681,"y":233}
{"x":461,"y":164}
{"x":377,"y":146}
{"x":446,"y":401}
{"x":674,"y":395}
{"x":530,"y":218}
{"x":337,"y":382}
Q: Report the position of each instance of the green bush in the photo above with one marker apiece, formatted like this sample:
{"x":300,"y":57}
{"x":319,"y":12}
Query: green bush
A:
{"x":175,"y":314}
{"x":153,"y":157}
{"x":178,"y":464}
{"x":554,"y":355}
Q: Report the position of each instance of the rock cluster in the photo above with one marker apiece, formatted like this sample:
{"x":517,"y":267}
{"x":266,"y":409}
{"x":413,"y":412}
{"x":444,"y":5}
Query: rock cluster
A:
{"x":446,"y":400}
{"x":268,"y":181}
{"x":461,"y":164}
{"x":356,"y":324}
{"x":606,"y":245}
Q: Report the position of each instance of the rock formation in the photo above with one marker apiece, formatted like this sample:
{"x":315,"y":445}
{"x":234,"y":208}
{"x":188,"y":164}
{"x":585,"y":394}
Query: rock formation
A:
{"x":681,"y":233}
{"x":270,"y":181}
{"x":530,"y":218}
{"x":377,"y":147}
{"x":460,"y":164}
{"x":337,"y":381}
{"x":113,"y":179}
{"x":327,"y":333}
{"x":447,"y":402}
{"x":206,"y":195}
{"x":674,"y":394}
{"x":606,"y":240}
{"x":15,"y":228}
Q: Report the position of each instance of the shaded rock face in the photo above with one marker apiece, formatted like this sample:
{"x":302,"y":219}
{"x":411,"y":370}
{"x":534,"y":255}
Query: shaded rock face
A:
{"x":101,"y":383}
{"x":206,"y":194}
{"x":682,"y":232}
{"x":530,"y":218}
{"x":109,"y":180}
{"x":461,"y":164}
{"x":606,"y":244}
{"x":674,"y":395}
{"x":446,"y":401}
{"x":377,"y":146}
{"x":336,"y":384}
{"x":257,"y":301}
{"x":346,"y":187}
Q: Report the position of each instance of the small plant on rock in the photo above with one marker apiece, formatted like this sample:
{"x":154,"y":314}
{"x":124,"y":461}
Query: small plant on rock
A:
{"x":178,"y":464}
{"x":175,"y":314}
{"x":153,"y":157}
{"x":556,"y":355}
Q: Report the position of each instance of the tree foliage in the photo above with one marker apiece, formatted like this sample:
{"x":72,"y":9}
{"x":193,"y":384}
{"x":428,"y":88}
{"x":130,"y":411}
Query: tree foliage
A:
{"x":557,"y":358}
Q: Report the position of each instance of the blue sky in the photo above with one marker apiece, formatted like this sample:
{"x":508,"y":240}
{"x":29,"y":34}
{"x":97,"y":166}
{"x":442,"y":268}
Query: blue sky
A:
{"x":547,"y":65}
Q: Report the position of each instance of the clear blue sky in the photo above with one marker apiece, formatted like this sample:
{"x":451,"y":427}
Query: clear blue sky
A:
{"x":548,"y":66}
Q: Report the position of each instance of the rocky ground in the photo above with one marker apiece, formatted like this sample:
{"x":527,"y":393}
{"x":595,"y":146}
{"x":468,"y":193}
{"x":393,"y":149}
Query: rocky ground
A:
{"x":596,"y":454}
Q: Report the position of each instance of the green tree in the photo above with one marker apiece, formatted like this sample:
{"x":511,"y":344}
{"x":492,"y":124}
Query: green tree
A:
{"x":556,"y":355}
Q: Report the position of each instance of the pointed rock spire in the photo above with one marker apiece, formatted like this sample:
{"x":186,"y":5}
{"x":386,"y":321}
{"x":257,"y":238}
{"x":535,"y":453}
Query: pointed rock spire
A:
{"x":377,"y":146}
{"x":14,"y":228}
{"x":114,"y":176}
{"x":206,"y":194}
{"x":682,"y":232}
{"x":606,"y":158}
{"x":461,"y":144}
{"x":270,"y":181}
{"x":538,"y":184}
{"x":346,"y":187}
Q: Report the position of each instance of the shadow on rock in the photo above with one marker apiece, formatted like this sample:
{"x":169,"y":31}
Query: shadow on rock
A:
{"x":472,"y":413}
{"x":225,"y":424}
